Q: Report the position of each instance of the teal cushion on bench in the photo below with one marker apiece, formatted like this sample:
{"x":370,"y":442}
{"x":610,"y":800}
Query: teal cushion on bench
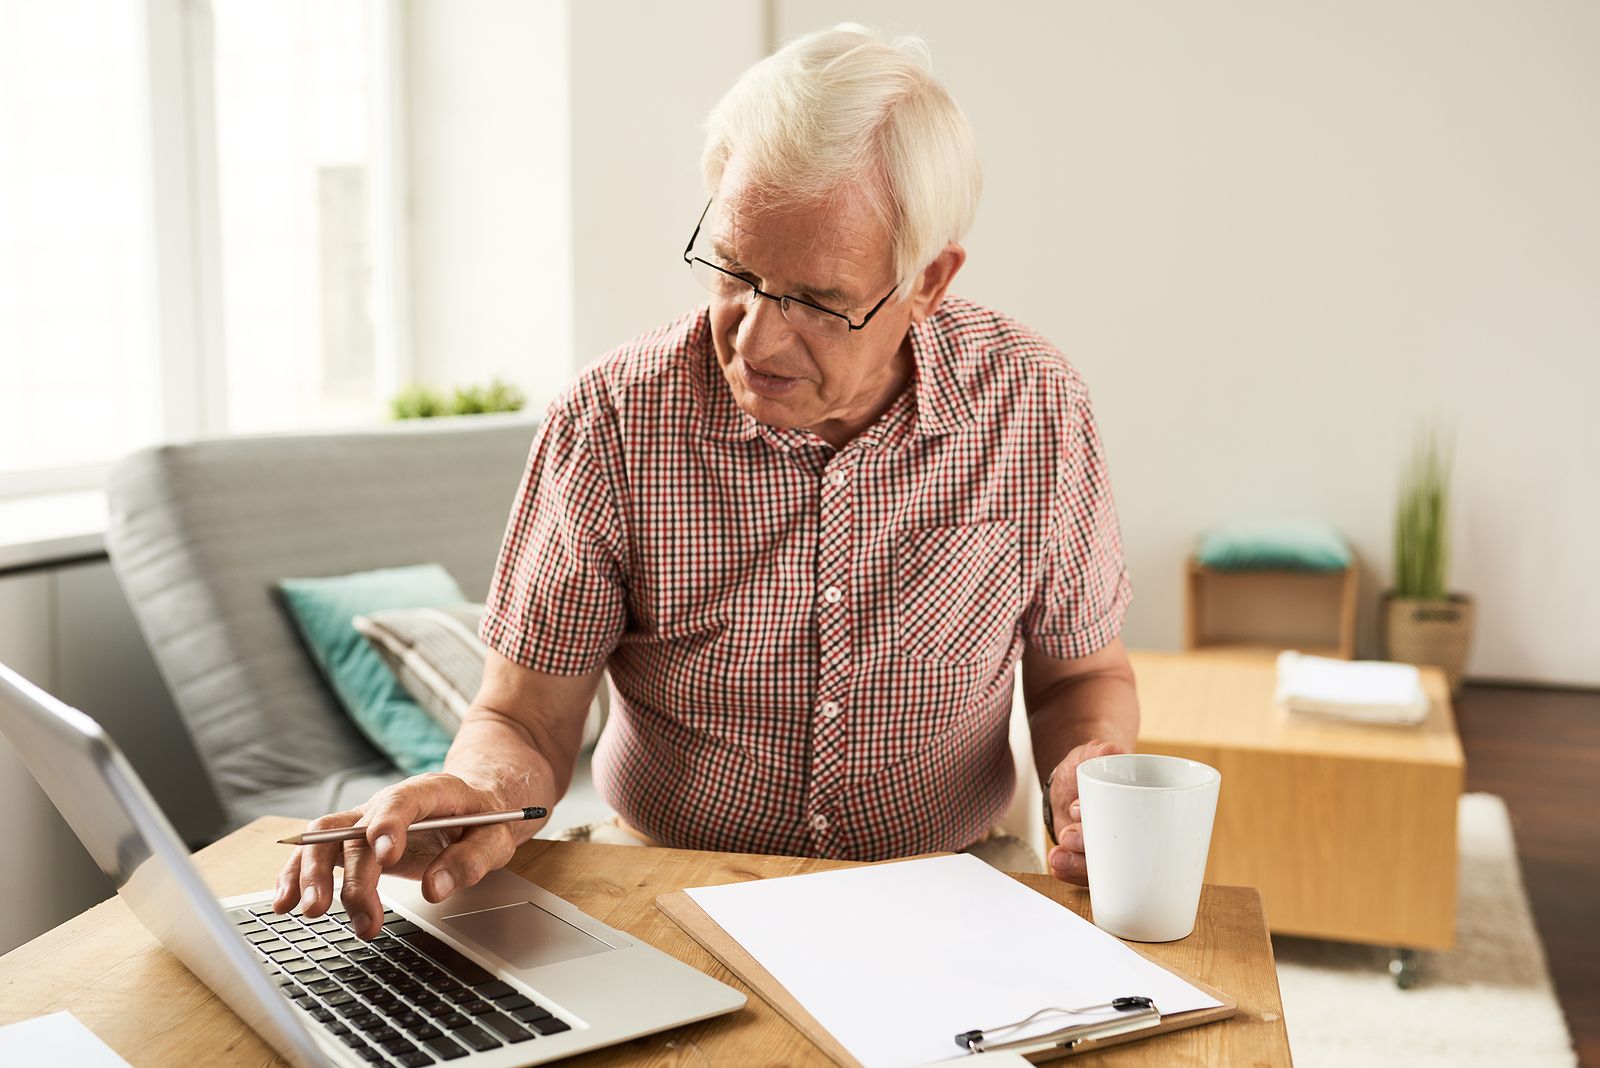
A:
{"x":324,"y":609}
{"x":1264,"y":544}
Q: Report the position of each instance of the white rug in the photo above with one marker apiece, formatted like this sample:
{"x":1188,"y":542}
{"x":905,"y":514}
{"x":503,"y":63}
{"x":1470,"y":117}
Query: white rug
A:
{"x":1488,"y":1001}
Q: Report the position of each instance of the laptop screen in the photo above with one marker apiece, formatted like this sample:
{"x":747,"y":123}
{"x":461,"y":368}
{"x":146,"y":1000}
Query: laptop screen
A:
{"x":102,"y":798}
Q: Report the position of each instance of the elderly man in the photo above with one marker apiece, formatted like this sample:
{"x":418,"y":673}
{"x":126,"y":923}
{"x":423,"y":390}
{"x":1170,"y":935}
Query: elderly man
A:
{"x":809,"y":530}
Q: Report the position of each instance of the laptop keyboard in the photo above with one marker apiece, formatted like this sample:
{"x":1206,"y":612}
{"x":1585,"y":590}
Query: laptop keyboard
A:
{"x":403,"y":998}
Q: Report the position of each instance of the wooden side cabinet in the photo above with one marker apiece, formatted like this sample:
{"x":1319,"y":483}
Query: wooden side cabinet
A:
{"x":1263,"y":611}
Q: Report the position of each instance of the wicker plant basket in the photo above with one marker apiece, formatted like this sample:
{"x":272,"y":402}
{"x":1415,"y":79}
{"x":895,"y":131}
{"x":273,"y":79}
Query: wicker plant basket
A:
{"x":1437,"y":632}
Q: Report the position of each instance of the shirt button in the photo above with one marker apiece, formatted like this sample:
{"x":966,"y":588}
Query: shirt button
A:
{"x":830,"y":709}
{"x":819,"y":823}
{"x":837,"y":478}
{"x":833,"y":595}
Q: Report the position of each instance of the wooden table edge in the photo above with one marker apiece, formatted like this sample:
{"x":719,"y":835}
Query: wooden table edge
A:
{"x":14,"y":965}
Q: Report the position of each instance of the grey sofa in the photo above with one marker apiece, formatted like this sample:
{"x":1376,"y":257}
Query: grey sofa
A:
{"x":199,"y":535}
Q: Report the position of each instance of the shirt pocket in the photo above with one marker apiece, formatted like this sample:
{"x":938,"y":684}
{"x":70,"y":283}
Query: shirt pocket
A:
{"x":958,"y":591}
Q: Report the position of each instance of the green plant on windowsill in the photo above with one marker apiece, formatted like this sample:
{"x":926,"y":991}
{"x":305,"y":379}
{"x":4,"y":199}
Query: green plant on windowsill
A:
{"x":418,"y":401}
{"x":1425,"y":623}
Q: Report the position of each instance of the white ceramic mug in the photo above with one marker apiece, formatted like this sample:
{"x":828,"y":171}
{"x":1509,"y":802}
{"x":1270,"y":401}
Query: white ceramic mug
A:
{"x":1146,"y":832}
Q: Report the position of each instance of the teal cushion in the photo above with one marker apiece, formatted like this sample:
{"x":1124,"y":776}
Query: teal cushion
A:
{"x":1299,"y":544}
{"x":324,"y":610}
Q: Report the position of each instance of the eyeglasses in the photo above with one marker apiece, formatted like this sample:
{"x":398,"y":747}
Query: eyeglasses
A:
{"x":724,"y":284}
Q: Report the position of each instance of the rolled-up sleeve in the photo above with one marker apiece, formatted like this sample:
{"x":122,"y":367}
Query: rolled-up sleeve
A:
{"x":557,"y":603}
{"x":1084,"y":590}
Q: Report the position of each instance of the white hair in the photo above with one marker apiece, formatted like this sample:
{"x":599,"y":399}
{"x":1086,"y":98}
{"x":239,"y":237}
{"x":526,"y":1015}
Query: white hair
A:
{"x":840,"y":109}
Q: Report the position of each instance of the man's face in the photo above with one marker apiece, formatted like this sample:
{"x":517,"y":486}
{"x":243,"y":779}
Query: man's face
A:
{"x":836,"y":255}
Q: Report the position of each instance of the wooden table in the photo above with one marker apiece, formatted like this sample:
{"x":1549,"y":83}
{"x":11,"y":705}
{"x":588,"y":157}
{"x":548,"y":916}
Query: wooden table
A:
{"x":1348,"y":830}
{"x":146,"y":1006}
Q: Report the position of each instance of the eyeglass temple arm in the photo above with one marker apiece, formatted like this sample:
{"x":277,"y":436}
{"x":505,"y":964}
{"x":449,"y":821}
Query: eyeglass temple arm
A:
{"x":696,"y":235}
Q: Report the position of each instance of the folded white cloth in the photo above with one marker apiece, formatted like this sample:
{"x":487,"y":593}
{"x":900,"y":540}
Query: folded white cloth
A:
{"x":1370,"y":691}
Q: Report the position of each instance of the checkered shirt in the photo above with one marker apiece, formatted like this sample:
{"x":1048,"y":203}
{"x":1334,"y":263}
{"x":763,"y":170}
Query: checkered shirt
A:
{"x":811,"y":651}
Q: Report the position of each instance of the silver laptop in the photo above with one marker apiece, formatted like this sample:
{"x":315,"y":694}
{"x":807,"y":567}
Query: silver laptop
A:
{"x":501,"y":974}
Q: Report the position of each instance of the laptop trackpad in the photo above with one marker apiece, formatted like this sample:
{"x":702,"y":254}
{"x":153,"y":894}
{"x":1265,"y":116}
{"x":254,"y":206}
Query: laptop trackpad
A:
{"x":526,"y":935}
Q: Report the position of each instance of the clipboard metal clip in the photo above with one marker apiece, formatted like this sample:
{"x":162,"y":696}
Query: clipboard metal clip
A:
{"x":1133,"y":1014}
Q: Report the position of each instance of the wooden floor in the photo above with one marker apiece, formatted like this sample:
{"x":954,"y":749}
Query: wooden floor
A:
{"x":1540,"y":751}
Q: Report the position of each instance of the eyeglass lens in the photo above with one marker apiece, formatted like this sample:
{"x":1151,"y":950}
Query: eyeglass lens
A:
{"x":731,"y":287}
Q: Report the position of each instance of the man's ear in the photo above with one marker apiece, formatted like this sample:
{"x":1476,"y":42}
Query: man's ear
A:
{"x":929,"y":291}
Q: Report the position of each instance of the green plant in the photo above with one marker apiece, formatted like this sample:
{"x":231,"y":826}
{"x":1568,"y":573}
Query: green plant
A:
{"x":497,"y":396}
{"x":1420,"y":543}
{"x":417,"y":401}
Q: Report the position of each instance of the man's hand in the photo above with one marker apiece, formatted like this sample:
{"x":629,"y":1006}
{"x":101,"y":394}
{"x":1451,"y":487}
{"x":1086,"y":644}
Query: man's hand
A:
{"x":445,"y":861}
{"x":1066,"y":855}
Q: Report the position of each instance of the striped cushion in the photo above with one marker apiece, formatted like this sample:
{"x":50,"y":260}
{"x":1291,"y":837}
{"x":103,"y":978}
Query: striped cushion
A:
{"x":438,"y":658}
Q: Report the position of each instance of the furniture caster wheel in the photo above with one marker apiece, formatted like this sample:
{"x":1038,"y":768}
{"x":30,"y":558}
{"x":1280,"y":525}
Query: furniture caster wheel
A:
{"x":1403,"y":966}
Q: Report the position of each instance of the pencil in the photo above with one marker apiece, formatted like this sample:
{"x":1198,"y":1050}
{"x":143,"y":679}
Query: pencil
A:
{"x":347,"y":834}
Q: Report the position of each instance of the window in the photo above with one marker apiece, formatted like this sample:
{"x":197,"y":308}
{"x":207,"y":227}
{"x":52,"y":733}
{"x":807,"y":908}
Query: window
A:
{"x":199,"y":225}
{"x":78,"y":368}
{"x":299,"y":116}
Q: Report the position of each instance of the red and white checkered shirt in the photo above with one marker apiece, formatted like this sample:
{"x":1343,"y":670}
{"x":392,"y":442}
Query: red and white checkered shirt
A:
{"x":811,"y":651}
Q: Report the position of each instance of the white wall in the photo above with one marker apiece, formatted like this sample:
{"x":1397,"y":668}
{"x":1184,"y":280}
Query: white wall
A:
{"x":1274,"y":237}
{"x":51,"y":877}
{"x":488,"y":150}
{"x":67,"y":629}
{"x":554,"y":152}
{"x":644,"y":75}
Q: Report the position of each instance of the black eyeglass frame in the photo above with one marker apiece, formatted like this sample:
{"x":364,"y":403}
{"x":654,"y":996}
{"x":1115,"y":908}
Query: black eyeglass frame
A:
{"x":758,"y":291}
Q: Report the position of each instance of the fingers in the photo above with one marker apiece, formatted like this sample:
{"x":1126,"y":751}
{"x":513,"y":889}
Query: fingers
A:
{"x":478,"y":852}
{"x":359,"y":888}
{"x":1064,"y":789}
{"x":288,"y":884}
{"x":316,"y":878}
{"x":316,"y":864}
{"x":391,"y":811}
{"x":1067,"y":861}
{"x":1064,"y":782}
{"x":450,"y":859}
{"x":1069,"y":867}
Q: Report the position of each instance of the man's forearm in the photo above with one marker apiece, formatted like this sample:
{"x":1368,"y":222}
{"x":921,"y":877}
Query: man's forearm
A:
{"x":1096,"y":708}
{"x":492,"y":752}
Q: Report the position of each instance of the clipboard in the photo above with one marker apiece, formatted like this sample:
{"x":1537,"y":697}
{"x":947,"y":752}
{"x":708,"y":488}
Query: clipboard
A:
{"x":688,"y":915}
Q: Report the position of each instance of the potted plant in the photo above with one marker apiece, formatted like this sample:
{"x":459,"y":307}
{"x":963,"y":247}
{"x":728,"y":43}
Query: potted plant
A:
{"x":1424,"y":623}
{"x":418,"y":401}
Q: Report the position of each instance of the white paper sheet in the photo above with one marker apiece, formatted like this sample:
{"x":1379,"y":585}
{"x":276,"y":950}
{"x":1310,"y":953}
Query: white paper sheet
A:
{"x":55,"y":1039}
{"x":895,"y":959}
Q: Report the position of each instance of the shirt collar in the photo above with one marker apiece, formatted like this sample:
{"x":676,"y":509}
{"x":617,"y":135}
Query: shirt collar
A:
{"x":721,"y":418}
{"x":943,"y":360}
